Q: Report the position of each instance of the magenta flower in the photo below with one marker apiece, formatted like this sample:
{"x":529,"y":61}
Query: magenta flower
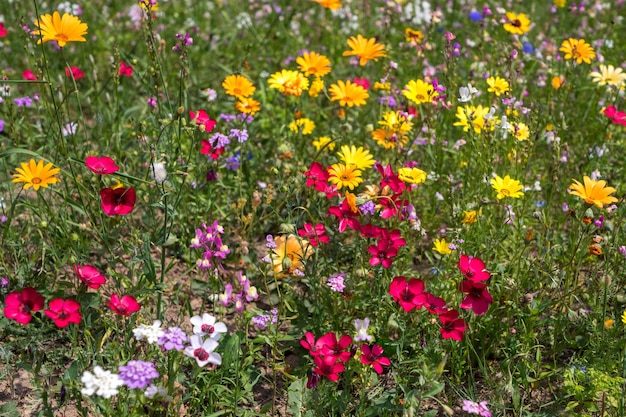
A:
{"x":64,"y":312}
{"x":452,"y":326}
{"x":435,"y":305}
{"x":101,"y":165}
{"x":125,"y":69}
{"x":315,"y":234}
{"x":90,"y":276}
{"x":202,"y":119}
{"x":478,"y":298}
{"x":124,"y":306}
{"x":118,"y":201}
{"x":382,"y":253}
{"x":333,"y":348}
{"x":18,"y":306}
{"x":347,"y":218}
{"x":328,"y":367}
{"x":374,"y":356}
{"x":473,"y":268}
{"x":409,"y":294}
{"x":616,"y":116}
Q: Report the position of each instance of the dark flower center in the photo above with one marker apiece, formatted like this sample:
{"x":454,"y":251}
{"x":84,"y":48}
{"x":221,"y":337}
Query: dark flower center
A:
{"x":516,"y":23}
{"x":201,"y":354}
{"x":208,"y":329}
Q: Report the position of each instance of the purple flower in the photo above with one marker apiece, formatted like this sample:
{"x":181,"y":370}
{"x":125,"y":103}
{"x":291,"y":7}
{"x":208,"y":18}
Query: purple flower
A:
{"x":622,"y":250}
{"x":228,"y":117}
{"x":173,"y":338}
{"x":219,"y":140}
{"x":240,"y":134}
{"x":387,"y":101}
{"x":4,"y":282}
{"x":23,"y":101}
{"x":137,"y":374}
{"x":1,"y":125}
{"x":152,"y":102}
{"x":368,"y":208}
{"x":269,"y":242}
{"x":335,"y":282}
{"x":476,"y":408}
{"x":476,"y":16}
{"x":261,"y":321}
{"x":232,"y":163}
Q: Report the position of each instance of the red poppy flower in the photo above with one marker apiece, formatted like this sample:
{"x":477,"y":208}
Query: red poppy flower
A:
{"x":101,"y":165}
{"x":330,"y":347}
{"x":207,"y":149}
{"x":382,"y":253}
{"x":473,"y":268}
{"x":202,"y":119}
{"x":64,"y":312}
{"x":125,"y":69}
{"x":315,"y":234}
{"x":374,"y":356}
{"x":117,"y":202}
{"x":478,"y":298}
{"x":3,"y":31}
{"x":90,"y":276}
{"x":29,"y":75}
{"x":616,"y":116}
{"x":18,"y":306}
{"x":326,"y":366}
{"x":75,"y":71}
{"x":125,"y":306}
{"x":409,"y":294}
{"x":345,"y":215}
{"x":452,"y":326}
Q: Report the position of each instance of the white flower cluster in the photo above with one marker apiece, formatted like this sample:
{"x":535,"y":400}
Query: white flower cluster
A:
{"x":101,"y":382}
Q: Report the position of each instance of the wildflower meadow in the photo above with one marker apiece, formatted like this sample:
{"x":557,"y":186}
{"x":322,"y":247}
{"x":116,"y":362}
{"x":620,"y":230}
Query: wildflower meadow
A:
{"x":312,"y":208}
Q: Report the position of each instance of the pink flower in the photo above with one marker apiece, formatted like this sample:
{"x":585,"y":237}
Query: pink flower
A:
{"x":74,"y":71}
{"x":101,"y":165}
{"x":473,"y":268}
{"x":326,"y":366}
{"x":409,"y":294}
{"x":202,"y":119}
{"x":478,"y":299}
{"x":125,"y":69}
{"x":374,"y":356}
{"x":616,"y":116}
{"x":382,"y":253}
{"x":3,"y":31}
{"x":317,"y":176}
{"x":435,"y":305}
{"x":117,"y":202}
{"x":333,"y":348}
{"x":29,"y":75}
{"x":390,"y":178}
{"x":64,"y":312}
{"x":346,"y":217}
{"x":315,"y":234}
{"x":125,"y":306}
{"x":452,"y":326}
{"x":90,"y":276}
{"x":19,"y":305}
{"x":363,"y":82}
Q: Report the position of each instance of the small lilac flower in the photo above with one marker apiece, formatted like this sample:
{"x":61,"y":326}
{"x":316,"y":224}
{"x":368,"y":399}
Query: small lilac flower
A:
{"x":4,"y":282}
{"x":209,"y":93}
{"x":476,"y":408}
{"x":565,"y":207}
{"x":622,"y":250}
{"x":1,"y":125}
{"x":228,"y":118}
{"x":219,"y":140}
{"x":335,"y":282}
{"x":152,"y":102}
{"x":361,"y":327}
{"x":261,"y":321}
{"x":240,"y":134}
{"x":137,"y":374}
{"x":23,"y":101}
{"x":69,"y":129}
{"x":599,"y":223}
{"x":269,"y":242}
{"x":232,"y":163}
{"x":155,"y":391}
{"x":226,"y":297}
{"x":173,"y":338}
{"x":387,"y":101}
{"x":368,"y":208}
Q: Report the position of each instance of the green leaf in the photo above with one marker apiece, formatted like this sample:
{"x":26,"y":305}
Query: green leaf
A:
{"x":296,"y":396}
{"x":9,"y":410}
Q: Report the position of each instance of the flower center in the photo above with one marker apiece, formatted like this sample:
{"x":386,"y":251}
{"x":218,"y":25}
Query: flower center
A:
{"x":24,"y":309}
{"x":61,"y":37}
{"x":62,"y":315}
{"x":208,"y":329}
{"x":201,"y":354}
{"x":237,"y":91}
{"x":505,"y":192}
{"x":516,"y":23}
{"x":36,"y":180}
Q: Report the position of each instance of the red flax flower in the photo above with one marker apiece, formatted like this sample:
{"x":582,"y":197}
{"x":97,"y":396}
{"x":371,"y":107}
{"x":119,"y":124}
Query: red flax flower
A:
{"x":74,"y":71}
{"x":616,"y":116}
{"x":18,"y":306}
{"x":330,"y":347}
{"x":409,"y":294}
{"x":317,"y":176}
{"x":315,"y":234}
{"x":3,"y":31}
{"x":101,"y":165}
{"x":435,"y":305}
{"x":90,"y":276}
{"x":374,"y":356}
{"x":125,"y":69}
{"x":310,"y":344}
{"x":64,"y":312}
{"x":347,"y":218}
{"x":382,"y":253}
{"x":328,"y":367}
{"x":124,"y":306}
{"x":118,"y":201}
{"x":390,"y":178}
{"x":478,"y":299}
{"x":203,"y":120}
{"x":452,"y":326}
{"x":473,"y":268}
{"x":207,"y":149}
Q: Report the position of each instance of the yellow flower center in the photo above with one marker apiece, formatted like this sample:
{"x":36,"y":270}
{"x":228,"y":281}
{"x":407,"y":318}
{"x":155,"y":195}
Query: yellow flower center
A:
{"x":36,"y":180}
{"x":237,"y":91}
{"x":505,"y":192}
{"x":61,"y":37}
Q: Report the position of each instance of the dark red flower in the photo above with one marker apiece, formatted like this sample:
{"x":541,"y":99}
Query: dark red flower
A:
{"x":101,"y":165}
{"x":328,"y":367}
{"x":382,"y":253}
{"x":330,"y":347}
{"x":345,"y":215}
{"x":118,"y":201}
{"x":473,"y":268}
{"x":203,"y":120}
{"x":75,"y":71}
{"x":452,"y":326}
{"x":315,"y":234}
{"x":374,"y":356}
{"x":125,"y":69}
{"x":18,"y":306}
{"x":90,"y":276}
{"x":409,"y":294}
{"x":313,"y":380}
{"x":390,"y":178}
{"x":616,"y":116}
{"x":478,"y":298}
{"x":29,"y":75}
{"x":207,"y":149}
{"x":64,"y":312}
{"x":125,"y":306}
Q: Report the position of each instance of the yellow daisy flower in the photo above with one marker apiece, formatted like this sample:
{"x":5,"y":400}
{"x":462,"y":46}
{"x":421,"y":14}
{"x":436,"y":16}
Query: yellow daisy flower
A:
{"x":497,"y":86}
{"x":507,"y":187}
{"x":365,"y":49}
{"x":359,"y":157}
{"x":312,"y":63}
{"x":412,"y":175}
{"x":593,"y":192}
{"x":608,"y":75}
{"x":64,"y":29}
{"x":238,"y":86}
{"x":577,"y":49}
{"x":324,"y":142}
{"x":36,"y":174}
{"x":419,"y":92}
{"x":348,"y":94}
{"x":304,"y":125}
{"x":344,"y":176}
{"x":517,"y":24}
{"x":288,"y":82}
